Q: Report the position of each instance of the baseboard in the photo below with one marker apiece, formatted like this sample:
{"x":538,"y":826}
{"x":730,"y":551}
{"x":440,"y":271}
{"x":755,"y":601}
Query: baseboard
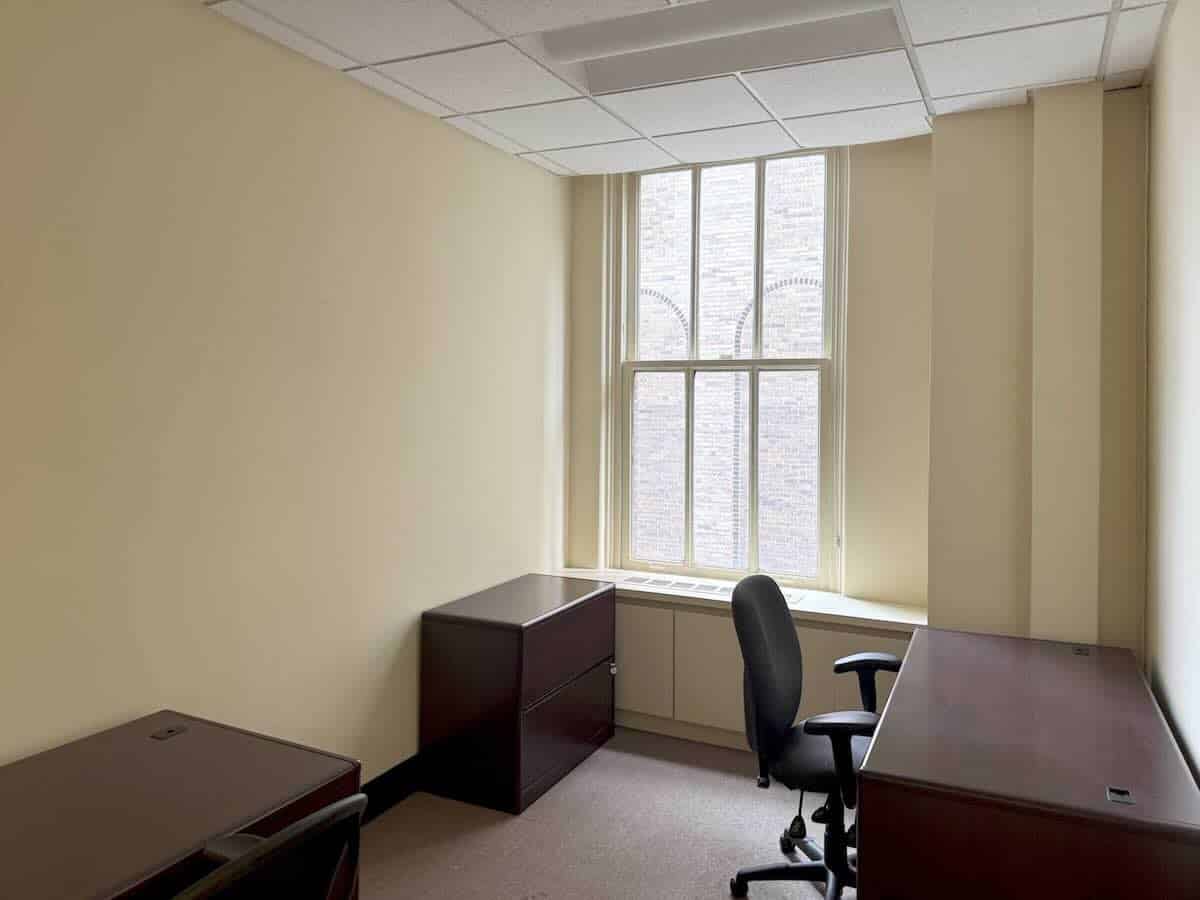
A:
{"x":702,"y":734}
{"x":388,"y":788}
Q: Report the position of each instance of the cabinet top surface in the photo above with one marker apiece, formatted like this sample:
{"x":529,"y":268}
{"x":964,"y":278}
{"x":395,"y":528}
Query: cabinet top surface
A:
{"x":94,"y":816}
{"x":521,"y":602}
{"x":1035,"y":722}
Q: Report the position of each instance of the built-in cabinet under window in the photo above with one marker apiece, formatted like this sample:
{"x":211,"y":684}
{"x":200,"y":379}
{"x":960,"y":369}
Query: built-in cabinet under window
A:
{"x":679,"y":670}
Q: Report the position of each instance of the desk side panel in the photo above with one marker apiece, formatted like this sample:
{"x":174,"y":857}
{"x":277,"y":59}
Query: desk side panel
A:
{"x":924,"y":844}
{"x":470,"y":676}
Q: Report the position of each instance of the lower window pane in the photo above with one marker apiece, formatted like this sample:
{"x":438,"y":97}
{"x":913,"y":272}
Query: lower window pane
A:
{"x":657,"y":467}
{"x":720,"y":470}
{"x":789,"y":472}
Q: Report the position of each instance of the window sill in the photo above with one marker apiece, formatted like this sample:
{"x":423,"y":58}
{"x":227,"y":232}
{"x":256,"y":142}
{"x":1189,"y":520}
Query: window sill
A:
{"x":820,"y":607}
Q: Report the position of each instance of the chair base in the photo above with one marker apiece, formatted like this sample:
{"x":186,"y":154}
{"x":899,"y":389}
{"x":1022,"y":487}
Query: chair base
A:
{"x":816,"y":870}
{"x":812,"y":872}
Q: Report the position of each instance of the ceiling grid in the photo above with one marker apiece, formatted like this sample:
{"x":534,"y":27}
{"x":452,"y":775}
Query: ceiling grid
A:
{"x":640,"y":84}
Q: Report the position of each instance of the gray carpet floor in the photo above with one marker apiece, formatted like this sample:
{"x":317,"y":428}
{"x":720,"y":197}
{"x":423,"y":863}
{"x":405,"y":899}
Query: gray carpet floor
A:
{"x":644,"y":816}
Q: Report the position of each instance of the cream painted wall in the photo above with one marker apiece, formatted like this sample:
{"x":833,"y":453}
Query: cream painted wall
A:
{"x":979,"y":491}
{"x":1173,"y":612}
{"x":887,"y":371}
{"x":1002,"y":198}
{"x":588,"y":288}
{"x":1067,"y":216}
{"x":281,"y":365}
{"x":1123,"y":373}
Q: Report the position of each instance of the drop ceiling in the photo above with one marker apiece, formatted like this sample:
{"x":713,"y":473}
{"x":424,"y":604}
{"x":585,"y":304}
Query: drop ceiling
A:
{"x":598,"y":86}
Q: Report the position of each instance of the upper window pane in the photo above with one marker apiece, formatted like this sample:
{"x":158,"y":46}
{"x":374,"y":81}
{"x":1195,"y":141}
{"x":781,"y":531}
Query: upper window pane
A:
{"x":664,"y":301}
{"x":794,"y":257}
{"x":726,"y":278}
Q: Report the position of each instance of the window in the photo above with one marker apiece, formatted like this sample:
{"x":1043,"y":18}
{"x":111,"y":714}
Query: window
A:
{"x":729,"y":456}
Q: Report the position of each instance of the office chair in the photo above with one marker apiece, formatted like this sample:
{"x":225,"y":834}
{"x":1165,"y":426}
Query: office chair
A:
{"x":820,"y":754}
{"x":301,"y":862}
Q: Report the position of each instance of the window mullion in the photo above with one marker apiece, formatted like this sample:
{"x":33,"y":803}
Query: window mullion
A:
{"x":689,"y":448}
{"x":752,"y":532}
{"x":760,"y":168}
{"x":694,"y":330}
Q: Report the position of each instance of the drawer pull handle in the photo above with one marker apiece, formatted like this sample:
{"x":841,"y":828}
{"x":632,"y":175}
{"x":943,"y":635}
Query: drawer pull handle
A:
{"x":612,"y":668}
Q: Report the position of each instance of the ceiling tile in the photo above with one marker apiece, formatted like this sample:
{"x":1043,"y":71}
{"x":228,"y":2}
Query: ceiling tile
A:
{"x":877,"y":79}
{"x":480,"y":78}
{"x":739,"y":142}
{"x":268,"y":27}
{"x":1130,"y":4}
{"x":939,"y":20}
{"x":1044,"y":55}
{"x":511,"y":17}
{"x":385,"y":85}
{"x":1122,"y":80}
{"x":548,"y":164}
{"x":987,"y":100}
{"x":1135,"y":38}
{"x":623,"y":156}
{"x":572,"y":123}
{"x":377,"y":30}
{"x":690,"y":106}
{"x":863,"y":126}
{"x":499,"y":141}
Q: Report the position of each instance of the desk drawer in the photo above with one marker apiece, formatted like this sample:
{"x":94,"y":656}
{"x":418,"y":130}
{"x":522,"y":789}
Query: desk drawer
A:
{"x":565,"y":645}
{"x":561,"y":731}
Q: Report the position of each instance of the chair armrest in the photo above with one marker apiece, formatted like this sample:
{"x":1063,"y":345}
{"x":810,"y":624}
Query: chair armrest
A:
{"x":840,"y":727}
{"x":851,"y":723}
{"x":229,"y":847}
{"x":865,"y":665}
{"x":868,"y":662}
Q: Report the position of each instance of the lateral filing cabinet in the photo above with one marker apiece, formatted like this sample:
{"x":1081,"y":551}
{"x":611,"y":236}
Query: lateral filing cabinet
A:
{"x":516,"y":688}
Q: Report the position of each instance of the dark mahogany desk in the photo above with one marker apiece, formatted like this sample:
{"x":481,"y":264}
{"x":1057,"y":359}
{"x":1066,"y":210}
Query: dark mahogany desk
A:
{"x":989,"y":776}
{"x":125,"y":814}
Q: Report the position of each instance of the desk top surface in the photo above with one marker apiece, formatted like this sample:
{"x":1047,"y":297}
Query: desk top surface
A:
{"x":93,"y":817}
{"x":520,"y":603}
{"x":1034,"y":722}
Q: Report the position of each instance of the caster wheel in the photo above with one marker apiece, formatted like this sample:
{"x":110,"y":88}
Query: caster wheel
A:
{"x":797,"y":830}
{"x":786,"y":844}
{"x":737,"y":888}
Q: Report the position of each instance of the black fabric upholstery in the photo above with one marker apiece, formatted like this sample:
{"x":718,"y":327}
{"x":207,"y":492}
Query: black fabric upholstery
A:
{"x":805,"y":762}
{"x":774,"y":668}
{"x":301,"y":862}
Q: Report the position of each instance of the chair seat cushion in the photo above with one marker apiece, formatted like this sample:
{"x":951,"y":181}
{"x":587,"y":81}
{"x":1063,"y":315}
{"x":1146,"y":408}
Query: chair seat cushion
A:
{"x":805,"y":762}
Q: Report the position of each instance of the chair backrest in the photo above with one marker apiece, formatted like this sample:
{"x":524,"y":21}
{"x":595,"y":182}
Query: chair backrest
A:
{"x":300,"y":862}
{"x":774,"y":665}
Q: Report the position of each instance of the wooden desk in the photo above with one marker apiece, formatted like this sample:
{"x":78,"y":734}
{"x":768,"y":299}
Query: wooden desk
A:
{"x":516,"y":687}
{"x":989,"y":772}
{"x":125,"y":814}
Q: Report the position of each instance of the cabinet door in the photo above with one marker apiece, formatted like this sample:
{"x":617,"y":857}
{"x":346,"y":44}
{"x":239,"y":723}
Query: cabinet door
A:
{"x":708,"y":671}
{"x":823,"y":690}
{"x":644,"y":660}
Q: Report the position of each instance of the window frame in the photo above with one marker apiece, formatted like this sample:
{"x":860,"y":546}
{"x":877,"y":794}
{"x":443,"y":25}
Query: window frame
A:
{"x":830,"y":367}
